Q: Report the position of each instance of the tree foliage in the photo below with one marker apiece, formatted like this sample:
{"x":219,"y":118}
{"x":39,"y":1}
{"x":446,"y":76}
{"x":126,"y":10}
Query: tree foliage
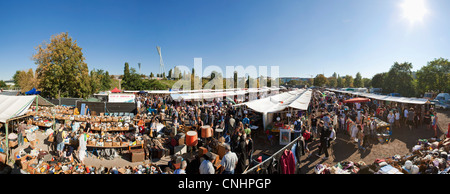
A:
{"x":399,"y":80}
{"x":61,"y":68}
{"x":378,"y":80}
{"x":320,"y":80}
{"x":435,"y":76}
{"x":348,"y":82}
{"x":358,"y":82}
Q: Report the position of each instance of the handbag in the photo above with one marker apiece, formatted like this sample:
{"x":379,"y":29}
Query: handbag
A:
{"x":51,"y":138}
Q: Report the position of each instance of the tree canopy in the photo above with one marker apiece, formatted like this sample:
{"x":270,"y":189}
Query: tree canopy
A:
{"x":61,"y":68}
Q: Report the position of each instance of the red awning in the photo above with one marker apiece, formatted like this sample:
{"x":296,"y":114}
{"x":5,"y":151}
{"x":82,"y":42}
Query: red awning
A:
{"x":115,"y":90}
{"x":353,"y":100}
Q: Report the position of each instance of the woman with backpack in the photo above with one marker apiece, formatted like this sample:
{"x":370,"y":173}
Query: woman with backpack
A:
{"x":60,"y":135}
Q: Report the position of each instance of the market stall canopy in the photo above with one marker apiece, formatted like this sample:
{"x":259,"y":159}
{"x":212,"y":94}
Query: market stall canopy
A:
{"x":355,"y":100}
{"x":115,"y":90}
{"x":405,"y":100}
{"x":298,"y":99}
{"x":41,"y":101}
{"x":33,"y":92}
{"x":14,"y":106}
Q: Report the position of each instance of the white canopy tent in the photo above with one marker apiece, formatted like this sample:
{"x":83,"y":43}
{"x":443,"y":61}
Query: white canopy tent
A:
{"x":297,"y":99}
{"x":14,"y":106}
{"x":405,"y":100}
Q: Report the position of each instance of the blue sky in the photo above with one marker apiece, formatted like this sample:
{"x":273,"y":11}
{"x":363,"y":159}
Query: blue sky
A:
{"x":302,"y":37}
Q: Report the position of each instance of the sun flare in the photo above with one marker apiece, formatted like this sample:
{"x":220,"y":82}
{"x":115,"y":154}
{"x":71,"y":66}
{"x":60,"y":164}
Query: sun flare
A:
{"x":414,"y":10}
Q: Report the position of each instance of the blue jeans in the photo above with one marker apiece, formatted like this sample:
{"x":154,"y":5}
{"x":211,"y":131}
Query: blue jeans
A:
{"x":60,"y":146}
{"x":20,"y":139}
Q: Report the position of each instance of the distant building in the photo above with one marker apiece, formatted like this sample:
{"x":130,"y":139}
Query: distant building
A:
{"x":10,"y":83}
{"x":287,"y":79}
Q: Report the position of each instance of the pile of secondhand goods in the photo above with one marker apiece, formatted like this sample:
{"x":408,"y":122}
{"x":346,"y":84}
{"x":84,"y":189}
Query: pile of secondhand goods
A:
{"x":429,"y":156}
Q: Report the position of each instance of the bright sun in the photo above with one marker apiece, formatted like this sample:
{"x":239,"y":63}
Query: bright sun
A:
{"x":414,"y":10}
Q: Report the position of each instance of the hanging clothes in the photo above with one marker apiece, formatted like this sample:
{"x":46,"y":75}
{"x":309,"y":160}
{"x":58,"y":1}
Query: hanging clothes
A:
{"x":287,"y":162}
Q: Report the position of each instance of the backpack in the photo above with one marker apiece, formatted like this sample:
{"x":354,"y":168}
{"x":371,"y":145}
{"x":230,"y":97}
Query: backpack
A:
{"x":59,"y":137}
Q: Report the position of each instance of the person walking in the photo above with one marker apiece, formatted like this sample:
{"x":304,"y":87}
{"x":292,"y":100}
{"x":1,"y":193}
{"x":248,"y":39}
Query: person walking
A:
{"x":410,"y":118}
{"x":324,"y":138}
{"x":397,"y":119}
{"x":391,"y":118}
{"x":360,"y":137}
{"x":82,"y":142}
{"x":206,"y":167}
{"x":434,"y":118}
{"x":229,"y":161}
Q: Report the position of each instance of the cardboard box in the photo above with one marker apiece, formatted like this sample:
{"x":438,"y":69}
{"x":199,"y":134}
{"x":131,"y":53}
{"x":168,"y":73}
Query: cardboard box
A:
{"x":137,"y":155}
{"x":107,"y":144}
{"x":202,"y":151}
{"x":221,"y":151}
{"x":181,"y":149}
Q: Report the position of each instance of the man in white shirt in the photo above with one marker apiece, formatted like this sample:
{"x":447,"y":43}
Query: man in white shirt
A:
{"x":229,"y":161}
{"x":206,"y":167}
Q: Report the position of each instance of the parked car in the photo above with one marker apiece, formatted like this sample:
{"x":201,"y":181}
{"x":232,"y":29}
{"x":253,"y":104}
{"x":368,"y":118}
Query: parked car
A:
{"x":443,"y":97}
{"x":429,"y":96}
{"x":440,"y":104}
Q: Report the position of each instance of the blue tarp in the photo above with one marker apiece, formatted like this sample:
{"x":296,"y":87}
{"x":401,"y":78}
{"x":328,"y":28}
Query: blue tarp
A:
{"x":33,"y":92}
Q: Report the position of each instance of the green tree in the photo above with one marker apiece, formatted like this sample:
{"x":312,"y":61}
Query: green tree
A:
{"x":61,"y":68}
{"x":357,"y":82}
{"x":170,"y":74}
{"x":126,"y":76}
{"x":16,"y":77}
{"x":3,"y":84}
{"x":106,"y":81}
{"x":348,"y":81}
{"x":95,"y":81}
{"x":134,"y":81}
{"x":378,"y":80}
{"x":340,"y":82}
{"x":399,"y":80}
{"x":332,"y":82}
{"x":367,"y":82}
{"x":152,"y":75}
{"x":435,"y":76}
{"x":320,"y":80}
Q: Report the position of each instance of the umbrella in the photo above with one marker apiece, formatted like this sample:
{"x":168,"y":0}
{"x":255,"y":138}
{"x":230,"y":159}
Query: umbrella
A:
{"x":354,"y":100}
{"x":115,"y":90}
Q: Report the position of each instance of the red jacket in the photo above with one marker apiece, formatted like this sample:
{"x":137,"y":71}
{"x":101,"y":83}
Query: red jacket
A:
{"x":287,"y":162}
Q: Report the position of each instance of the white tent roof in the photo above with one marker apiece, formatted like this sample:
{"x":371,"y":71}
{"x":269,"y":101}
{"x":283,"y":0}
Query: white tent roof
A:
{"x":405,"y":100}
{"x":298,"y":99}
{"x":14,"y":106}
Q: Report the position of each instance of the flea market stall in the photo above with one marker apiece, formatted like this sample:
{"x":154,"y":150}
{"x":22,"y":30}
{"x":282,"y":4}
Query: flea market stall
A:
{"x":12,"y":110}
{"x":274,"y":107}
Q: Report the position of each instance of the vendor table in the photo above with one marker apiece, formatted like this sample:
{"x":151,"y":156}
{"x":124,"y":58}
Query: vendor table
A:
{"x":382,"y":132}
{"x":94,"y":148}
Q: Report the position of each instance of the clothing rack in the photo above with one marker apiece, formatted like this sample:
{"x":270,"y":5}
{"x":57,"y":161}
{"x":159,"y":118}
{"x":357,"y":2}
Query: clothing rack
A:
{"x":288,"y":146}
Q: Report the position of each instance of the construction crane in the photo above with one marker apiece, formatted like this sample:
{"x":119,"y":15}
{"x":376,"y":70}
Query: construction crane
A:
{"x":161,"y":62}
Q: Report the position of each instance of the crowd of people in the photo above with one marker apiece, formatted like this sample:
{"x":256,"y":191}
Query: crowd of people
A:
{"x":327,"y":116}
